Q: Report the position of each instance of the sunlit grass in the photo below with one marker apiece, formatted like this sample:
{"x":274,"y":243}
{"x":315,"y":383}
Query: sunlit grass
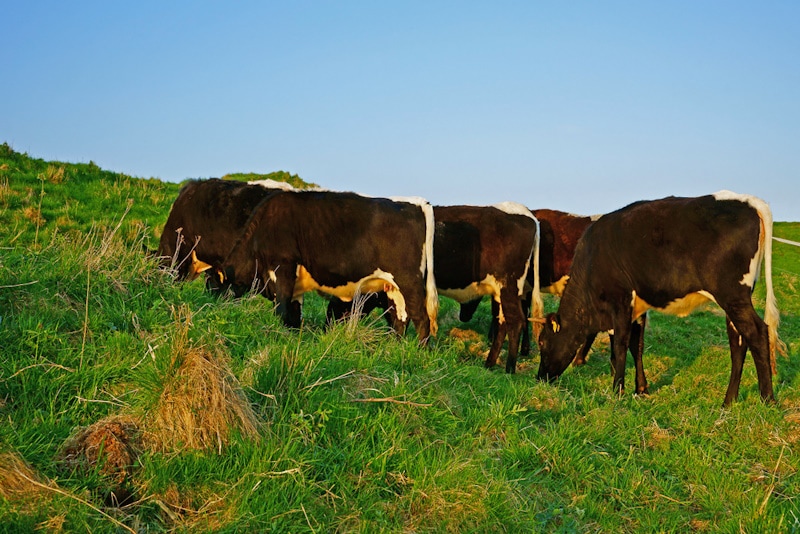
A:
{"x":357,"y":430}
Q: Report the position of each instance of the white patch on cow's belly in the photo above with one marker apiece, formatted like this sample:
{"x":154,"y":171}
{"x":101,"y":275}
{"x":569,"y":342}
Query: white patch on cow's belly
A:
{"x":681,"y":307}
{"x":488,"y":286}
{"x":374,"y":283}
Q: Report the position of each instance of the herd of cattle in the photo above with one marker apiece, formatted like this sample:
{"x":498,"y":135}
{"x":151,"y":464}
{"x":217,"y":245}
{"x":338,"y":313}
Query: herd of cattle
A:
{"x":671,"y":254}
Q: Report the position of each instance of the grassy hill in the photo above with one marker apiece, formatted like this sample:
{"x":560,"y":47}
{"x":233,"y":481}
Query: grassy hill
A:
{"x":206,"y":415}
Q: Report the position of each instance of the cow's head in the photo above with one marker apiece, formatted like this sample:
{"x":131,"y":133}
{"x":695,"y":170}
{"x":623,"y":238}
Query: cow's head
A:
{"x":558,"y":344}
{"x":241,"y":280}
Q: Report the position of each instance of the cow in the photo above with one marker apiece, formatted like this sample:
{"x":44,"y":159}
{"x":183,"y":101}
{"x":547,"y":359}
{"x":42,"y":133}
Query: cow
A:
{"x":559,"y":233}
{"x":342,"y":244}
{"x":489,"y":250}
{"x":478,"y":251}
{"x":671,"y":255}
{"x":205,"y":221}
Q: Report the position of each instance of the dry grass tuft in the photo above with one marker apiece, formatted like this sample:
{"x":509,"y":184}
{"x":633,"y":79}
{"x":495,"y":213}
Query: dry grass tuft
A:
{"x":469,"y":342}
{"x":700,"y":525}
{"x":55,"y":174}
{"x":112,"y":443}
{"x":465,"y":335}
{"x":110,"y":446}
{"x":18,"y":480}
{"x":656,"y":437}
{"x":34,"y":215}
{"x":5,"y":189}
{"x":200,"y":405}
{"x":189,"y":511}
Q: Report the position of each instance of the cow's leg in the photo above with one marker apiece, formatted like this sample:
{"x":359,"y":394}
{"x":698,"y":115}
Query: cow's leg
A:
{"x":515,"y":320}
{"x":525,"y":347}
{"x":412,"y":291}
{"x":580,"y":356}
{"x":619,"y":352}
{"x":738,"y":351}
{"x":497,"y":335}
{"x":337,"y":309}
{"x":744,"y":321}
{"x":636,"y":346}
{"x":494,"y":326}
{"x":295,"y":314}
{"x":289,"y":310}
{"x":468,"y":309}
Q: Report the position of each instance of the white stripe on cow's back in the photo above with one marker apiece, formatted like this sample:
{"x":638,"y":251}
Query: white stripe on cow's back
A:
{"x":757,"y":204}
{"x":514,"y":208}
{"x":273,"y":184}
{"x":419,"y":201}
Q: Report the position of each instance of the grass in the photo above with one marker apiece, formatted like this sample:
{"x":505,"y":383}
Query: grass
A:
{"x":354,"y":429}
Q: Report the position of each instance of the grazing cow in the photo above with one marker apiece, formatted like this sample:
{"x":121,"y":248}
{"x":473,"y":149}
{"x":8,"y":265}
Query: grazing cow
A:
{"x":205,"y":221}
{"x":481,"y":250}
{"x":489,"y":251}
{"x":672,"y":255}
{"x":341,"y":244}
{"x":559,"y":232}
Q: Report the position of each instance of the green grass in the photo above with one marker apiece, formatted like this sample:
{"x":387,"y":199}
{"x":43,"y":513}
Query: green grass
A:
{"x":361,"y":431}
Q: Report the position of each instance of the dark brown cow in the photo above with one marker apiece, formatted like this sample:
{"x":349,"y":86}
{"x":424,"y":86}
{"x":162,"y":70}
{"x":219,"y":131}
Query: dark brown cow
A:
{"x":481,"y":250}
{"x":670,"y":254}
{"x":341,"y":244}
{"x":205,"y":221}
{"x":559,"y":232}
{"x":489,"y":251}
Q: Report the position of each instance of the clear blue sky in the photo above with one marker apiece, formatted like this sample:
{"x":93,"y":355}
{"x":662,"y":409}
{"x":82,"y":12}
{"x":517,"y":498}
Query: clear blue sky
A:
{"x":582,"y":106}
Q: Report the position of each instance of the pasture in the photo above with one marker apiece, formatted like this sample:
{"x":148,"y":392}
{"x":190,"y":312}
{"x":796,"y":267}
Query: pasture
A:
{"x":223,"y":420}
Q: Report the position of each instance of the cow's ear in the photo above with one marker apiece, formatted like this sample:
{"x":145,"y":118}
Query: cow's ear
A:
{"x":552,"y":321}
{"x":197,"y":267}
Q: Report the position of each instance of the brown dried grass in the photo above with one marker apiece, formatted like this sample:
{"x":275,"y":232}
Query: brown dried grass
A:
{"x":34,"y":214}
{"x":18,"y":480}
{"x":200,"y":405}
{"x":55,"y":174}
{"x":111,"y":445}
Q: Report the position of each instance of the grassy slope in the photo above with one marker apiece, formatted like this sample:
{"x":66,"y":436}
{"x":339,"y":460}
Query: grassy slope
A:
{"x":363,"y":432}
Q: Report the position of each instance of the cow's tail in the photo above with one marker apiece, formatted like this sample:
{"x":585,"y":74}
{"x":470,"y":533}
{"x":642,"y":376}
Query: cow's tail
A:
{"x":431,"y":296}
{"x":771,"y":314}
{"x":537,"y":306}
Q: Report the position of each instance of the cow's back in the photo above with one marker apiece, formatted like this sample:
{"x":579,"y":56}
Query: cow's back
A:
{"x":344,"y":231}
{"x":670,"y":246}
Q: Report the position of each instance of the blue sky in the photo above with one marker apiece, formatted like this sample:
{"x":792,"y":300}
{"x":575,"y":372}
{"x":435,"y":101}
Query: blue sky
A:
{"x":580,"y":106}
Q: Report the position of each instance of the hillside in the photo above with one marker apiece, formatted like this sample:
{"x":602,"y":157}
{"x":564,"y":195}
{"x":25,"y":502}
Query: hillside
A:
{"x":131,"y":403}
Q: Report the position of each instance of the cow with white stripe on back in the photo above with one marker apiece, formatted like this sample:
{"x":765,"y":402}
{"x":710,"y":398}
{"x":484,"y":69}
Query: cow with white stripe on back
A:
{"x":671,"y":255}
{"x":479,"y":251}
{"x":559,"y":234}
{"x":490,"y":250}
{"x":342,"y":244}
